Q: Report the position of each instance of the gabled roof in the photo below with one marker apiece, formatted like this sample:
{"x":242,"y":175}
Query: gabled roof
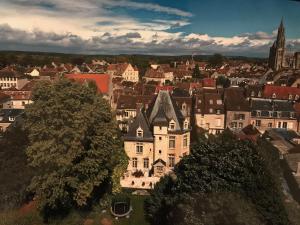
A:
{"x":164,"y":103}
{"x":139,"y":122}
{"x":102,"y":80}
{"x":281,"y":92}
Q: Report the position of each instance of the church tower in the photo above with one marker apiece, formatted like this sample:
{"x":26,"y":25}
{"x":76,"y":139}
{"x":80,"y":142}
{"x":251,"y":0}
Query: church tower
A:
{"x":277,"y":51}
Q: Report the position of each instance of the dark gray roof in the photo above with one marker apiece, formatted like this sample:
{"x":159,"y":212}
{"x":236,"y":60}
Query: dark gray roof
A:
{"x":160,"y":118}
{"x":165,"y":104}
{"x":5,"y":114}
{"x":142,"y":122}
{"x":268,"y":104}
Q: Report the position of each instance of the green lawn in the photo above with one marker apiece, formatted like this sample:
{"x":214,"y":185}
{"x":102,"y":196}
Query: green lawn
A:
{"x":94,"y":217}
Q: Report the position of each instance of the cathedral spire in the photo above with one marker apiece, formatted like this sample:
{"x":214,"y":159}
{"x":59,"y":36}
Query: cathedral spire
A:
{"x":281,"y":35}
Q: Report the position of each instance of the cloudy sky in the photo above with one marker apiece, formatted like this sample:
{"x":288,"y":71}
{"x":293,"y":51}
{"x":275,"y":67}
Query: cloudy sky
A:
{"x":165,"y":27}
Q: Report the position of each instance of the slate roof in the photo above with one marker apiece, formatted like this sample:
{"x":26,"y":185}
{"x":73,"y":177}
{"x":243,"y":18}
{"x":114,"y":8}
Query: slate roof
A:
{"x":142,"y":122}
{"x":160,"y":112}
{"x":166,"y":102}
{"x":5,"y":114}
{"x":268,"y":105}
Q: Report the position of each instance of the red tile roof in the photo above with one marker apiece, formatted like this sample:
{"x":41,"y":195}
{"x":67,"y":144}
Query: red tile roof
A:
{"x":209,"y":82}
{"x":4,"y":97}
{"x":281,"y":92}
{"x":102,"y":80}
{"x":163,"y":88}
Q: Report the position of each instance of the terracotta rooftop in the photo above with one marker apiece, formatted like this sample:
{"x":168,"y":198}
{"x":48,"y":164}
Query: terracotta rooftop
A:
{"x":102,"y":80}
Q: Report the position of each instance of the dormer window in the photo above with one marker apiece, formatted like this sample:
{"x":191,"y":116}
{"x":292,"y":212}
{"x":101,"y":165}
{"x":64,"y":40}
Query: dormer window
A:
{"x":139,"y":132}
{"x":183,"y":106}
{"x":172,"y":125}
{"x":186,"y":125}
{"x":258,"y":114}
{"x":273,"y":95}
{"x":296,"y":97}
{"x":11,"y":119}
{"x":290,"y":97}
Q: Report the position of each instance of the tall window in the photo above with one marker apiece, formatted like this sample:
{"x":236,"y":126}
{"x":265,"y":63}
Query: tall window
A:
{"x":171,"y":160}
{"x":134,"y":162}
{"x":258,"y":123}
{"x":146,"y":163}
{"x":185,"y":141}
{"x":172,"y":141}
{"x":270,"y":125}
{"x":279,"y":125}
{"x":284,"y":125}
{"x":139,"y":148}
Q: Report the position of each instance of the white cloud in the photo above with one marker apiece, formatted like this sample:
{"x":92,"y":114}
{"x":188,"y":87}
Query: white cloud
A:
{"x":91,"y":26}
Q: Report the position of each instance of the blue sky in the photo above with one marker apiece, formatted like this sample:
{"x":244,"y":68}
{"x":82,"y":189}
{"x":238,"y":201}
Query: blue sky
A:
{"x":168,"y":27}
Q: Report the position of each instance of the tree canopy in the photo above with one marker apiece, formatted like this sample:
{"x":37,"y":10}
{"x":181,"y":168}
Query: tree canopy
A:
{"x":223,"y":81}
{"x":74,"y":142}
{"x":216,"y":60}
{"x":15,"y":174}
{"x":197,"y":72}
{"x":219,"y":166}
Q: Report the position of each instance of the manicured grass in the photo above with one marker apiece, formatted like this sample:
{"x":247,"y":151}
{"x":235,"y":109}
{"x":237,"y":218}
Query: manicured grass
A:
{"x":95,"y":217}
{"x":137,"y":215}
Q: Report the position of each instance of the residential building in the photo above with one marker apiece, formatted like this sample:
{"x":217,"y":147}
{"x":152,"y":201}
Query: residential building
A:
{"x":124,"y":70}
{"x":127,"y":108}
{"x":237,"y":109}
{"x":157,"y":139}
{"x":11,"y":78}
{"x":209,"y":112}
{"x":160,"y":75}
{"x":268,"y":113}
{"x":281,"y":92}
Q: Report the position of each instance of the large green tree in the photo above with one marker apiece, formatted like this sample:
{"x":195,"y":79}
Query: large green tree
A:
{"x":219,"y":165}
{"x":15,"y":173}
{"x":75,"y":143}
